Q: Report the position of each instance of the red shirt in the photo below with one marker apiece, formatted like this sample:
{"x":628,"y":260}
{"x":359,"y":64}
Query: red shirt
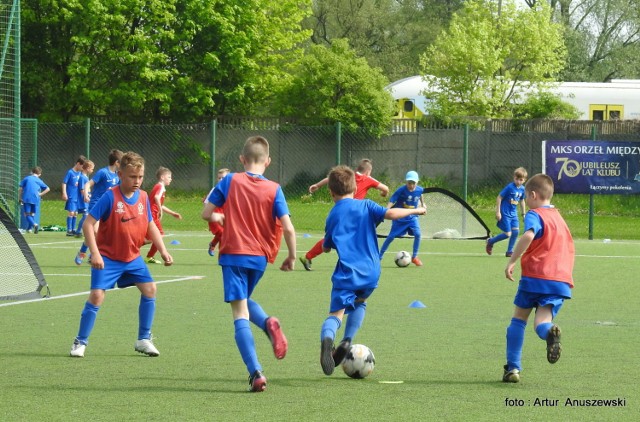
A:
{"x":551,"y":256}
{"x":122,"y":234}
{"x":249,"y":225}
{"x":158,"y":188}
{"x":363,"y":184}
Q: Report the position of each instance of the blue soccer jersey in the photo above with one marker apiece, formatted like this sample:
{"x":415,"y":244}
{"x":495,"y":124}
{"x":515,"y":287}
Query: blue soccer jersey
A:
{"x":103,"y":180}
{"x":404,"y":198}
{"x":72,"y":182}
{"x":511,"y":197}
{"x":31,"y":188}
{"x":351,"y":230}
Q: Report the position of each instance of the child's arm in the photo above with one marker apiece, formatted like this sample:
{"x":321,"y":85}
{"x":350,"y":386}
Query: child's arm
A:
{"x":172,"y":213}
{"x":290,"y":239}
{"x":318,"y":185}
{"x":20,"y":195}
{"x":208,"y":214}
{"x":384,"y":189}
{"x":64,"y":192}
{"x":522,"y":208}
{"x":88,"y":228}
{"x":498,"y":203}
{"x":396,"y":213}
{"x":44,"y":192}
{"x":157,"y":199}
{"x":154,"y":234}
{"x":522,"y":245}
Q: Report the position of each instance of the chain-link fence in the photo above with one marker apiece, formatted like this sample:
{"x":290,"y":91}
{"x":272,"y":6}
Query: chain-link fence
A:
{"x":452,"y":158}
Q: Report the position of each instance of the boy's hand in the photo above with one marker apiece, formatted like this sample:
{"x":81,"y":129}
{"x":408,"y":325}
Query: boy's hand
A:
{"x":508,"y":272}
{"x":168,"y":259}
{"x":177,"y":215}
{"x":97,"y":262}
{"x":288,"y":264}
{"x":421,"y":210}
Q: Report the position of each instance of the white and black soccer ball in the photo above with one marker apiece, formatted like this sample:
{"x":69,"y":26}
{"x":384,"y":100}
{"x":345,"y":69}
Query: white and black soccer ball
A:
{"x":403,"y":259}
{"x":359,"y":361}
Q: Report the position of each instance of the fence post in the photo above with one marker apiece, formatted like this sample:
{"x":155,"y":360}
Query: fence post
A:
{"x":465,"y":161}
{"x":338,"y":142}
{"x":212,"y":151}
{"x":87,"y":137}
{"x":594,"y":133}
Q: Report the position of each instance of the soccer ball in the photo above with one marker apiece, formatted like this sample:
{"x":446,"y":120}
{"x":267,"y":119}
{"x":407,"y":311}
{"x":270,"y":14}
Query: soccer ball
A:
{"x":359,"y":361}
{"x":403,"y":259}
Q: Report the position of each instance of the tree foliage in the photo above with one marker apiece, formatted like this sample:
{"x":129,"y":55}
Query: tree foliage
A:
{"x":476,"y":66}
{"x":183,"y":59}
{"x":333,"y":84}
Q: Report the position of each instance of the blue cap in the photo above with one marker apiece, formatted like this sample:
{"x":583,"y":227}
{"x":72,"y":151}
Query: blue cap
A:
{"x":412,"y":176}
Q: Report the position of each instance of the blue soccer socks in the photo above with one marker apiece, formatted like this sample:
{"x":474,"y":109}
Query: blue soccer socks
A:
{"x":330,"y":328}
{"x":354,"y":320}
{"x":515,"y":341}
{"x":246,"y":345}
{"x":87,"y":321}
{"x":146,"y":312}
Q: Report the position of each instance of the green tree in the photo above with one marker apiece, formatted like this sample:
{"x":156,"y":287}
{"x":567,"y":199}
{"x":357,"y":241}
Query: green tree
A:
{"x":390,"y":34}
{"x":602,"y":38}
{"x":333,"y":84}
{"x":478,"y":65}
{"x":153,"y":59}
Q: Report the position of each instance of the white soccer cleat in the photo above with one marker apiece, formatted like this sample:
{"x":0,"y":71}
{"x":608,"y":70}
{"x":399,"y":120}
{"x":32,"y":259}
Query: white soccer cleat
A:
{"x":77,"y":349}
{"x":146,"y":346}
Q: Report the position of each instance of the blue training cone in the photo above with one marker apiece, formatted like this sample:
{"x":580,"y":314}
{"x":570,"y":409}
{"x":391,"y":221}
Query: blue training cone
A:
{"x":175,"y":242}
{"x":306,"y":235}
{"x":417,"y":304}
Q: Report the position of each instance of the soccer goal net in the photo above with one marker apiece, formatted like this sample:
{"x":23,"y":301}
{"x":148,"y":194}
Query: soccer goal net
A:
{"x":448,"y":217}
{"x":20,"y":274}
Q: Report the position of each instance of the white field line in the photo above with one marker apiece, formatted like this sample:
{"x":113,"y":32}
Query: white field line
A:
{"x":197,"y":277}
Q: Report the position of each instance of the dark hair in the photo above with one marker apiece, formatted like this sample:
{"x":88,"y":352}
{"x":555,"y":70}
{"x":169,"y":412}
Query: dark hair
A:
{"x":115,"y":155}
{"x":342,"y":180}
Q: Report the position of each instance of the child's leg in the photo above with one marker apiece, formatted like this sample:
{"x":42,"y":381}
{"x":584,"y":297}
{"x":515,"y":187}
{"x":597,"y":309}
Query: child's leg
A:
{"x":70,"y":226}
{"x":385,"y":245}
{"x":73,"y":222}
{"x":327,"y":336}
{"x":512,"y":239}
{"x":81,"y":222}
{"x":498,"y":238}
{"x":146,"y":313}
{"x":354,"y":320}
{"x":31,"y":222}
{"x":549,"y":331}
{"x":515,"y":337}
{"x":87,"y":321}
{"x":246,"y":345}
{"x":152,"y":251}
{"x":330,"y":327}
{"x":315,"y":250}
{"x":257,"y":315}
{"x":417,"y":236}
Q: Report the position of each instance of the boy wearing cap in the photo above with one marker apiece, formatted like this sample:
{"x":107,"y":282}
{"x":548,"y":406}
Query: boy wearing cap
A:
{"x":407,"y":196}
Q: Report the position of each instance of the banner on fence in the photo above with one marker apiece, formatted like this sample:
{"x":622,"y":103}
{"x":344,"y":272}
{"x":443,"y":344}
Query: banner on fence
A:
{"x":593,"y":166}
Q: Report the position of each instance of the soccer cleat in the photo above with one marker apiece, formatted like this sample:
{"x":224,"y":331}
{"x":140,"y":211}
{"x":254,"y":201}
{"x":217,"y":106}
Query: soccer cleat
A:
{"x":416,"y":261}
{"x":306,"y":263}
{"x":341,"y":351}
{"x":257,"y":382}
{"x":36,"y":229}
{"x":152,"y":260}
{"x":80,"y":257}
{"x":77,"y":349}
{"x":326,"y":356}
{"x":211,"y":249}
{"x":70,"y":234}
{"x":278,"y":340}
{"x":146,"y":346}
{"x":508,"y":254}
{"x":510,"y":375}
{"x":553,"y":344}
{"x":79,"y":234}
{"x":488,"y":247}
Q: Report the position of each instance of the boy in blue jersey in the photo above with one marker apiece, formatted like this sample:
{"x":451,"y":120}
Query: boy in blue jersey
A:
{"x":351,"y":230}
{"x":255,"y":218}
{"x":547,"y":256}
{"x":70,"y":189}
{"x":507,"y":204}
{"x":83,"y":194}
{"x":407,"y":196}
{"x":125,"y":220}
{"x":29,"y":193}
{"x":104,"y":179}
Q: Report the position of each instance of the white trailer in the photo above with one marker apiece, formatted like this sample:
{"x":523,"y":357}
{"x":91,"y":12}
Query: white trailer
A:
{"x":615,"y":100}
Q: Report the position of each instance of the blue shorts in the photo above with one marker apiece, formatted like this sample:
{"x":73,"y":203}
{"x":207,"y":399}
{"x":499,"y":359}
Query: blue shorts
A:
{"x":506,"y":224}
{"x":345,"y":299}
{"x":122,"y":274}
{"x":239,"y":282}
{"x":29,"y":208}
{"x":71,"y":205}
{"x":527,"y":300}
{"x":401,"y":227}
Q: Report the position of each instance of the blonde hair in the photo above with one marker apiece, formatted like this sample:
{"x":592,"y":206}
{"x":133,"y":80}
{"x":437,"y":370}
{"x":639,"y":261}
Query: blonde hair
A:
{"x":131,"y":159}
{"x":224,"y":171}
{"x":342,"y":180}
{"x":364,"y":166}
{"x":161,"y":172}
{"x":542,"y":185}
{"x":256,"y":149}
{"x":520,"y":172}
{"x":87,"y":165}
